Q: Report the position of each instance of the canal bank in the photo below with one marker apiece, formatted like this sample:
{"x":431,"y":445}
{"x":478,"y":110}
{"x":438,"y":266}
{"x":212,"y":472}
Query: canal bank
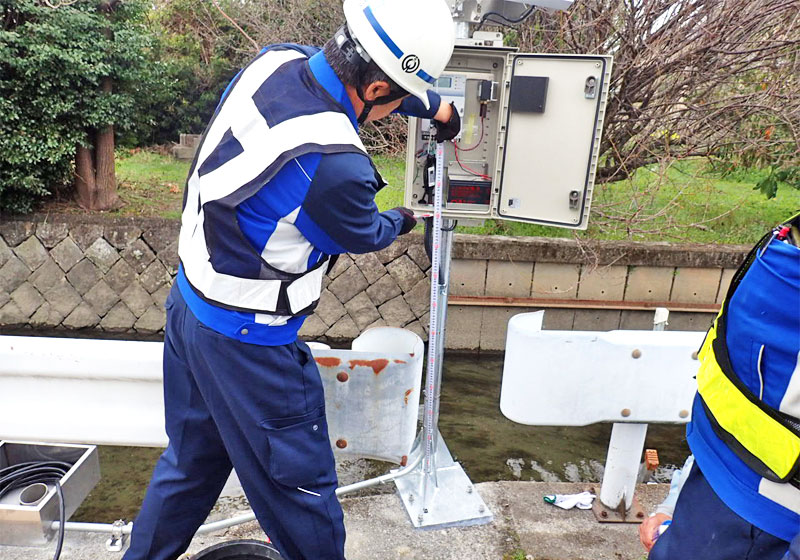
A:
{"x":378,"y":528}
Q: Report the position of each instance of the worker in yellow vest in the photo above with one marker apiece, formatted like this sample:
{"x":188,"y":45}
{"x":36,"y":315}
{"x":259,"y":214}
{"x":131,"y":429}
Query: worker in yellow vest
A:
{"x":741,"y":499}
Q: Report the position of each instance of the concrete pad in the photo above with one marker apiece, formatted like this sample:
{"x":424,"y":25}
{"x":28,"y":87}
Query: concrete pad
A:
{"x":555,"y":281}
{"x":378,"y":527}
{"x":649,"y":283}
{"x":548,"y":532}
{"x":509,"y":279}
{"x":696,"y":285}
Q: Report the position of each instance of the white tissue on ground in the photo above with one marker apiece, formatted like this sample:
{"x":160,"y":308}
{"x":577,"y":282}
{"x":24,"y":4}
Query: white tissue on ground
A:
{"x":568,"y":501}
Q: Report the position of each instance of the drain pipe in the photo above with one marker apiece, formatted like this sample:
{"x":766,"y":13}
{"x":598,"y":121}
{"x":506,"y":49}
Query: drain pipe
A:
{"x":349,"y":489}
{"x":107,"y":528}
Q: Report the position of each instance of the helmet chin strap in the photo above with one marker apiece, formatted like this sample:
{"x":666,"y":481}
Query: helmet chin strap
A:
{"x":368,"y":105}
{"x":391,"y":97}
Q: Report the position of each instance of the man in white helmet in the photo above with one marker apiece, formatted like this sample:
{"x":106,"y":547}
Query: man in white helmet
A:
{"x":281,"y":185}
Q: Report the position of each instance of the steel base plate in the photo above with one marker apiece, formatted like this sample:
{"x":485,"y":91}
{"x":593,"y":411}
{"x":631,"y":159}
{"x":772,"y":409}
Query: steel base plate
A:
{"x":604,"y":514}
{"x":452,"y":500}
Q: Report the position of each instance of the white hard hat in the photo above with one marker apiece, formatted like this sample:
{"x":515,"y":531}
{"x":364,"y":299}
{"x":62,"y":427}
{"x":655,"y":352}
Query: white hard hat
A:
{"x":410,"y":40}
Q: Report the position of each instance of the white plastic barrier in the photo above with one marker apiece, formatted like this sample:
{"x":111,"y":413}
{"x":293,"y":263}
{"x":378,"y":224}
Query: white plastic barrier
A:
{"x":372,"y":398}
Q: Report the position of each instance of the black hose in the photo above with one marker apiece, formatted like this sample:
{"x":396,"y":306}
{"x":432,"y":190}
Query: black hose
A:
{"x":62,"y":520}
{"x":25,"y":474}
{"x":506,"y":21}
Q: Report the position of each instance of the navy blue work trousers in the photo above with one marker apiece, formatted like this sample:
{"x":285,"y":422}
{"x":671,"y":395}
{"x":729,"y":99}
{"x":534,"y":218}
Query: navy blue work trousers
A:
{"x":260,"y":409}
{"x":704,"y":528}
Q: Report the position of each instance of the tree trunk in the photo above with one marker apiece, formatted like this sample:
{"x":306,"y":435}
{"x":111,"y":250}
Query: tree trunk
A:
{"x":85,"y":183}
{"x":95,"y":178}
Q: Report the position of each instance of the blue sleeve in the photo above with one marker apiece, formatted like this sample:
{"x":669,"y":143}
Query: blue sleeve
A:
{"x":794,"y":549}
{"x":413,"y":107}
{"x":679,"y":477}
{"x":339,"y":212}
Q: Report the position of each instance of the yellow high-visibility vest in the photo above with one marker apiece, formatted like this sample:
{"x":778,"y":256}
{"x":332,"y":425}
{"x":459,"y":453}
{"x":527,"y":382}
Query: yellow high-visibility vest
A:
{"x":759,"y":435}
{"x":754,"y":431}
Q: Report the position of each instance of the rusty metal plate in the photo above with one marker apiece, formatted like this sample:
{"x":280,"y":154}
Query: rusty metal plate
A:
{"x":372,"y":396}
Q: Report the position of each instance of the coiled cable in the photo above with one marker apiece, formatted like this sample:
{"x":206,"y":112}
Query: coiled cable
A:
{"x":22,"y":475}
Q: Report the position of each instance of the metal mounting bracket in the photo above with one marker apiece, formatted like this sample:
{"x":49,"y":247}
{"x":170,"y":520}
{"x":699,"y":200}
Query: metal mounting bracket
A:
{"x":605,"y":514}
{"x":117,"y":539}
{"x":451,"y":499}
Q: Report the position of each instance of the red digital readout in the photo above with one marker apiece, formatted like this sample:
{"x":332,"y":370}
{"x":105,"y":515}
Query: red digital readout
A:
{"x":469,"y":193}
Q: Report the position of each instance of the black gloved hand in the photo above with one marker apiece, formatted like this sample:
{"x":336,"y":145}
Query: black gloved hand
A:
{"x":450,"y":129}
{"x":409,"y":221}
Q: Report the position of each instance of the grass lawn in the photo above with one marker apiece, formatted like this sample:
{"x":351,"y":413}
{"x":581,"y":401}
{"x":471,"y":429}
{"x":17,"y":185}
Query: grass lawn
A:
{"x":150,"y":184}
{"x":685,"y":201}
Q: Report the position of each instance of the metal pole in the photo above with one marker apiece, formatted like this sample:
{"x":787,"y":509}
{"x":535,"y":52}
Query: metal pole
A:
{"x":622,"y":465}
{"x":439,"y":493}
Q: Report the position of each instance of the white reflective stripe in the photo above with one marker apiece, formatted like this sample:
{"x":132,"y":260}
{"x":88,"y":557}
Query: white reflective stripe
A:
{"x":302,"y":169}
{"x":760,"y":374}
{"x":329,"y":128}
{"x":287,"y":249}
{"x":790,"y":404}
{"x":241,"y":96}
{"x":259,"y":295}
{"x":305,"y":290}
{"x":254,"y":294}
{"x":781,"y":493}
{"x":291,"y":217}
{"x":309,"y":492}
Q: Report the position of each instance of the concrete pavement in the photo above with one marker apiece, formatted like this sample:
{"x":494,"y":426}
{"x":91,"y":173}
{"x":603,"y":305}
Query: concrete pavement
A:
{"x":378,"y":528}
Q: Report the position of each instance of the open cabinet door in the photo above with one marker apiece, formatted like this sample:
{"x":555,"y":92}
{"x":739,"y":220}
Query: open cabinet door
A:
{"x":553,"y":122}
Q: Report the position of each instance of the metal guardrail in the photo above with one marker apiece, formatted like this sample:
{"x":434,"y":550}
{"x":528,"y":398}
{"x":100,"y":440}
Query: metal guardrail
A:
{"x":577,"y":378}
{"x":110,"y":392}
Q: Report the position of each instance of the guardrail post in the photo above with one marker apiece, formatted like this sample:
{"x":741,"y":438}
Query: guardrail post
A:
{"x":617,"y":501}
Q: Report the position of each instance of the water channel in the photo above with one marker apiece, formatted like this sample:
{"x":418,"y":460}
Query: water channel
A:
{"x":489,"y":446}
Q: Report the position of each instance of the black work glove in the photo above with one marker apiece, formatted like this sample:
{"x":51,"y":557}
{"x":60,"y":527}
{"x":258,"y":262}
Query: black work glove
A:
{"x":409,"y":221}
{"x":450,"y":129}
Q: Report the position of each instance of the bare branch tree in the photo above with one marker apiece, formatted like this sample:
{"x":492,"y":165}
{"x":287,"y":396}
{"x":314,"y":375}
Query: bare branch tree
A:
{"x":236,"y":25}
{"x":691,"y":77}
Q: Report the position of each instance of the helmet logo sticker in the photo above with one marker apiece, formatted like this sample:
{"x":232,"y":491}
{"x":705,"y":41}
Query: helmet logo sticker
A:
{"x":411,"y":63}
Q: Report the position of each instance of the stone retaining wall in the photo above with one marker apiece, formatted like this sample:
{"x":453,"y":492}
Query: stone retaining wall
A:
{"x":76,"y":272}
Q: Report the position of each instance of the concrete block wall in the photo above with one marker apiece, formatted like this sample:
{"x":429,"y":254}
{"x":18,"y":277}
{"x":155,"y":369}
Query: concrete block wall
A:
{"x":75,"y":274}
{"x":86,"y":273}
{"x":582,"y":285}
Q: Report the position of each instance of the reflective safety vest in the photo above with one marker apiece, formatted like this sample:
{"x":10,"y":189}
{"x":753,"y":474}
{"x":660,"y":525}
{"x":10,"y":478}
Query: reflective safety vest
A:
{"x":765,"y":439}
{"x":272,"y":113}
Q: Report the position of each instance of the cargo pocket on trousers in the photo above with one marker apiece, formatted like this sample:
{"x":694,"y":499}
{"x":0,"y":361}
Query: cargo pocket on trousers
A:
{"x":300,"y":453}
